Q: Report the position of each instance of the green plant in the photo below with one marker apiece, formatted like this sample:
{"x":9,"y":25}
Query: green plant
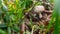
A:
{"x":57,"y":16}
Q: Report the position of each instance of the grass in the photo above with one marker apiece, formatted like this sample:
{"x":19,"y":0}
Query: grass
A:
{"x":57,"y":12}
{"x":55,"y":18}
{"x":13,"y":13}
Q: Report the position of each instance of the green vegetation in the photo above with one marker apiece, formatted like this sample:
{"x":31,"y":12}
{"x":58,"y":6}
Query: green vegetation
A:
{"x":17,"y":17}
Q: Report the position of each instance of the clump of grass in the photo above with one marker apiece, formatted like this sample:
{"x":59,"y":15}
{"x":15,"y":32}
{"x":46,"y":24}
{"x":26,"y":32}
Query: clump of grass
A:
{"x":13,"y":13}
{"x":55,"y":18}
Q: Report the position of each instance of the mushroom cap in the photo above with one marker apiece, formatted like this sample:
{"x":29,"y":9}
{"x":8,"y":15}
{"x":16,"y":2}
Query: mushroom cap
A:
{"x":39,"y":8}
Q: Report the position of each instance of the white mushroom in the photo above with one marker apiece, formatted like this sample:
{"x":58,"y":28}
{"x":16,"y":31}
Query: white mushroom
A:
{"x":39,"y":8}
{"x":40,"y":15}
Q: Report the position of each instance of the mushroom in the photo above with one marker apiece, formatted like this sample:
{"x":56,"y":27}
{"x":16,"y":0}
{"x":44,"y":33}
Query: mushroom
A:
{"x":39,"y":9}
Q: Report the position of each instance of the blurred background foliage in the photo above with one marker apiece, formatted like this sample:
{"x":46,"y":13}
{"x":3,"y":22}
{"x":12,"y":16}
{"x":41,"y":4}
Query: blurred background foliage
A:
{"x":12,"y":14}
